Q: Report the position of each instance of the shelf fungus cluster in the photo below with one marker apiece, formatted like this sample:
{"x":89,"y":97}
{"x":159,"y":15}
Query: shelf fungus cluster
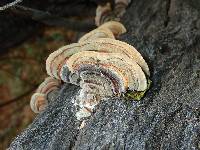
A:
{"x":101,"y":65}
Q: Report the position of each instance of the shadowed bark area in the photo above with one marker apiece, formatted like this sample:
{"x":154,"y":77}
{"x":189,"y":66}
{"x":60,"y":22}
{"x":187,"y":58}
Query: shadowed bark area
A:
{"x":167,"y":33}
{"x":14,"y":21}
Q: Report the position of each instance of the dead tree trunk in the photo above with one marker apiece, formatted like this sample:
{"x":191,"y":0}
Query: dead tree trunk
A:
{"x":167,"y":33}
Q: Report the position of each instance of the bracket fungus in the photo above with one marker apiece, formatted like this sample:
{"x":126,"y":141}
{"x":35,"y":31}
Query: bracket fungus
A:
{"x":101,"y":75}
{"x":57,"y":58}
{"x":38,"y":100}
{"x":101,"y":65}
{"x":120,"y":7}
{"x":101,"y":14}
{"x":105,"y":13}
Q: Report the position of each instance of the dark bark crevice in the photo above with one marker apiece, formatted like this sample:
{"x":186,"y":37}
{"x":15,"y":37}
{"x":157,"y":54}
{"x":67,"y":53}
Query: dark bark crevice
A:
{"x":168,"y":4}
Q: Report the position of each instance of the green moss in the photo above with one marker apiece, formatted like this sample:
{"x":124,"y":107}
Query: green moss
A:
{"x":137,"y":95}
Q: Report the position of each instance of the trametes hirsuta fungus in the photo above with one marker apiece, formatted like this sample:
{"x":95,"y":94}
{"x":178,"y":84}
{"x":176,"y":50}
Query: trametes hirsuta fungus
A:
{"x":105,"y":13}
{"x":120,"y":7}
{"x":101,"y":65}
{"x":102,"y":13}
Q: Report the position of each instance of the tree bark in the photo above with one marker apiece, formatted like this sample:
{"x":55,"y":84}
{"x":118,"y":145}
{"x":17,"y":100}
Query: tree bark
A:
{"x":167,"y":33}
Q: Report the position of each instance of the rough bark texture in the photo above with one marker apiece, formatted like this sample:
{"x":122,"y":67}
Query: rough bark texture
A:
{"x":167,"y":33}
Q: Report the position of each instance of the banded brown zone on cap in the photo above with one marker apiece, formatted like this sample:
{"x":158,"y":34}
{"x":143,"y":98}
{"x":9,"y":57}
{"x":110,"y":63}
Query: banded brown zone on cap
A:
{"x":110,"y":79}
{"x":38,"y":100}
{"x":115,"y":46}
{"x":56,"y":59}
{"x":48,"y":85}
{"x":129,"y":73}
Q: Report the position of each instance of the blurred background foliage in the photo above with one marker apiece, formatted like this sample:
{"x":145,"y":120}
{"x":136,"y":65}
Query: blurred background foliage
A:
{"x":22,"y":69}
